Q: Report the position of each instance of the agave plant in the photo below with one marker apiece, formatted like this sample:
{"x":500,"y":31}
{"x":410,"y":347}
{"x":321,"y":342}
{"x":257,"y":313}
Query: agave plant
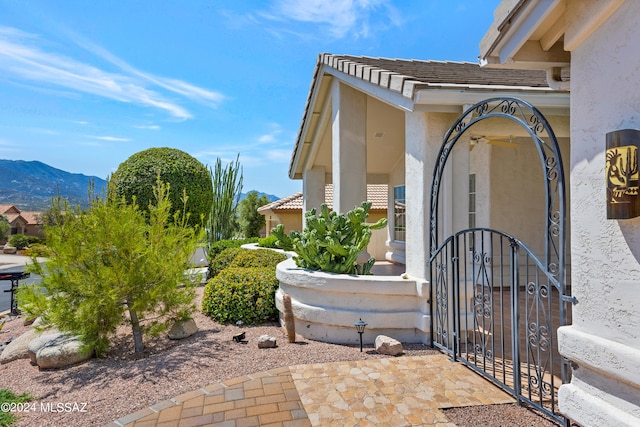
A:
{"x":331,"y":241}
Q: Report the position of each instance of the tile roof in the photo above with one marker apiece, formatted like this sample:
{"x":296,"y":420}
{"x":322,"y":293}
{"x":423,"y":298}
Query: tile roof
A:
{"x":376,"y":194}
{"x":406,"y":75}
{"x":12,"y":213}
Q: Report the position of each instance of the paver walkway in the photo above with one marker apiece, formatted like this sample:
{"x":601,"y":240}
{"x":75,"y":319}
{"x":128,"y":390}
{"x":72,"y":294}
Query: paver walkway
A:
{"x":396,"y":391}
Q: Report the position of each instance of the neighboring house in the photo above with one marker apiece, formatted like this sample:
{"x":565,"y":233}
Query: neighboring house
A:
{"x":288,"y":211}
{"x":592,"y":48}
{"x":22,"y":222}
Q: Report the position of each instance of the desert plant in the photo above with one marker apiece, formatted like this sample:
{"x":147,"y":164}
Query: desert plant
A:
{"x":110,"y":262}
{"x":268,"y":242}
{"x":246,"y":294}
{"x":136,"y":178}
{"x":331,"y":241}
{"x":227,"y":188}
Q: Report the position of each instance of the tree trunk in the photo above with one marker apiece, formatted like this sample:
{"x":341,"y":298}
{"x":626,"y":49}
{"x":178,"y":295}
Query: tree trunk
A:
{"x":138,"y":345}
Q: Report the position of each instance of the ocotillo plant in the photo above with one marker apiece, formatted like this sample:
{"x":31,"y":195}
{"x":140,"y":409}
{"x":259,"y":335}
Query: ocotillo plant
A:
{"x":331,"y":241}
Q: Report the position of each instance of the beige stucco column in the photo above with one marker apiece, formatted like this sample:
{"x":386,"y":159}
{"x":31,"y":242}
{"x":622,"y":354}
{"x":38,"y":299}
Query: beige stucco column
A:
{"x":313,"y":189}
{"x":417,"y":182}
{"x":348,"y":146}
{"x":424,"y":133}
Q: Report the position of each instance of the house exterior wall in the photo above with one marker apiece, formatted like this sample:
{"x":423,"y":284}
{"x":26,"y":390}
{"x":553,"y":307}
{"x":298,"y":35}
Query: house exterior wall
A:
{"x":604,"y":340}
{"x":292,"y":221}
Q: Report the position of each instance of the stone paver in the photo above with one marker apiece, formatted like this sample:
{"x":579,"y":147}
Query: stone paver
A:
{"x":395,"y":391}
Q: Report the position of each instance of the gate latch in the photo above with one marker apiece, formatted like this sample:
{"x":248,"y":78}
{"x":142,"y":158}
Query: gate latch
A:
{"x":568,"y":298}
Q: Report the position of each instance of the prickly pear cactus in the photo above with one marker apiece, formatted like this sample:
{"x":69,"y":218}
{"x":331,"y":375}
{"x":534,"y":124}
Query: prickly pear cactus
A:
{"x":331,"y":241}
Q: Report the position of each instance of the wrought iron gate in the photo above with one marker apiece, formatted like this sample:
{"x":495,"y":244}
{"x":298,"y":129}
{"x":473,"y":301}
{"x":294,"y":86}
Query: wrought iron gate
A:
{"x":495,"y":304}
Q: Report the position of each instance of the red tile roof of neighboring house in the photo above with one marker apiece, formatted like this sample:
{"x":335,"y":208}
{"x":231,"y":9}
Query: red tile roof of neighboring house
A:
{"x":12,"y":213}
{"x":376,"y":194}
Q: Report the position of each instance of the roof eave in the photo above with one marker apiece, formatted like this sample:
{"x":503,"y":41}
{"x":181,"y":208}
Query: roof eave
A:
{"x":509,"y":39}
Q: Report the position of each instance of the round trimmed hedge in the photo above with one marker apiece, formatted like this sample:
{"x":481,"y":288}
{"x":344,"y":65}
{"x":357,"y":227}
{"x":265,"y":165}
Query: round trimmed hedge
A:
{"x":137,"y":176}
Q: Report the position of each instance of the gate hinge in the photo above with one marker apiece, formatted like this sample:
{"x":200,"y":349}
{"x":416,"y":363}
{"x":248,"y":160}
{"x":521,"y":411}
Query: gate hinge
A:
{"x":568,"y":298}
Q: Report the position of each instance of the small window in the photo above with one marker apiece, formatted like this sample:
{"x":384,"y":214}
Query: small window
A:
{"x":472,"y":200}
{"x":399,"y":214}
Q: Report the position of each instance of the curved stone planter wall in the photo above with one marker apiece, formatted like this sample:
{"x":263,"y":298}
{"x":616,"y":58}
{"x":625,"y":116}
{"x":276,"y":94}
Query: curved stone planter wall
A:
{"x":326,"y":305}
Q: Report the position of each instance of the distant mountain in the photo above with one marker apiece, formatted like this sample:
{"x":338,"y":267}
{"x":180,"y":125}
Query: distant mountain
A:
{"x":30,"y":185}
{"x":271,"y":197}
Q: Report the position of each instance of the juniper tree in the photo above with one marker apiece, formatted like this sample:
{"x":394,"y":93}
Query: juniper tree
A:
{"x":114,"y":264}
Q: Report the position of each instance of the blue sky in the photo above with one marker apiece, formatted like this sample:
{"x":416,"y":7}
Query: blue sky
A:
{"x":86,"y":84}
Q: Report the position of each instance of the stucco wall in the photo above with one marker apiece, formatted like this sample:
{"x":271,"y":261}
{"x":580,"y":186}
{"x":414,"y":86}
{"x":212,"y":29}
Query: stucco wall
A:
{"x":604,"y":340}
{"x":326,"y":305}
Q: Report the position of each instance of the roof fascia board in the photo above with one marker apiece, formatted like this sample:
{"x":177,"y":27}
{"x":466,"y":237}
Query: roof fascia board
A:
{"x":451,"y":100}
{"x":325,"y":114}
{"x":384,"y":94}
{"x":318,"y":81}
{"x":521,"y":27}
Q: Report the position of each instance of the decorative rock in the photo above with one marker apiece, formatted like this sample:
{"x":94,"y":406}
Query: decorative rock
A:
{"x":265,"y":341}
{"x":63,"y":351}
{"x":9,"y":249}
{"x":41,"y":341}
{"x":388,"y":345}
{"x":18,"y":348}
{"x":183,"y":329}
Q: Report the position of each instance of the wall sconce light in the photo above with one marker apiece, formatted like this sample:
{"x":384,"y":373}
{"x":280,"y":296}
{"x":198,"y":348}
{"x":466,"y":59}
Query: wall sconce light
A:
{"x":623,"y":147}
{"x":360,"y":324}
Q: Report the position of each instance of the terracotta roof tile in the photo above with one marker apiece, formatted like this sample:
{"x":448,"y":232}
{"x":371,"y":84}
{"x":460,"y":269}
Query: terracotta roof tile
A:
{"x":376,"y":193}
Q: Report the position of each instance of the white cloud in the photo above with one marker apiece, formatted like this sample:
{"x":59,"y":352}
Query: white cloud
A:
{"x":22,"y":59}
{"x":149,"y":127}
{"x":111,"y":138}
{"x":339,"y":17}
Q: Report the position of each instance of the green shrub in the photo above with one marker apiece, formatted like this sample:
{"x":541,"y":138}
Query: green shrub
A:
{"x":257,"y":258}
{"x":37,"y":250}
{"x":246,"y":294}
{"x":20,"y":241}
{"x":268,"y":242}
{"x":137,"y":177}
{"x":222,"y":261}
{"x":8,"y":397}
{"x":221,"y":245}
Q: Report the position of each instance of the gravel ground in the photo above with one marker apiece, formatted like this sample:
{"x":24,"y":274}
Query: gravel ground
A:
{"x":124,"y":382}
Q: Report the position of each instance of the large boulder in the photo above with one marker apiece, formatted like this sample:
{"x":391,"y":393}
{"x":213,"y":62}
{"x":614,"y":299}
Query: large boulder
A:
{"x":61,"y":351}
{"x":18,"y":348}
{"x":387,"y":345}
{"x":8,"y":249}
{"x":183,"y":329}
{"x":39,"y":342}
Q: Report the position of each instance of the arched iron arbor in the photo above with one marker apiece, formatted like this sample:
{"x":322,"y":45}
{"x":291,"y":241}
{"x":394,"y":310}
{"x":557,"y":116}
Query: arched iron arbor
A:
{"x":495,"y":304}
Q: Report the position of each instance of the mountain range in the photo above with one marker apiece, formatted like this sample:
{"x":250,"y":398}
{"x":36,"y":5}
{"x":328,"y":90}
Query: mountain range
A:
{"x":30,"y":185}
